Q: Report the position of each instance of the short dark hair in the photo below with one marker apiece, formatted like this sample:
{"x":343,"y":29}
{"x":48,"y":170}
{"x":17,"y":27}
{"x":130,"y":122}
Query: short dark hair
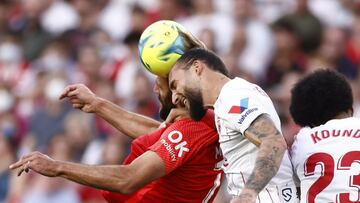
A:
{"x":320,"y":97}
{"x":206,"y":56}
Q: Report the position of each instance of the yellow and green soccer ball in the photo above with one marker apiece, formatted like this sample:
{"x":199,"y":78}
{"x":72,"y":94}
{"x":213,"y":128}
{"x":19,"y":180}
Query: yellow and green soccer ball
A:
{"x":161,"y":45}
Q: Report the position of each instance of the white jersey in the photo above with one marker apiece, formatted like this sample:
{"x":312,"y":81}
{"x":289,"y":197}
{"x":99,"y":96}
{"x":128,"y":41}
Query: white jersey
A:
{"x":327,"y":161}
{"x":237,"y":106}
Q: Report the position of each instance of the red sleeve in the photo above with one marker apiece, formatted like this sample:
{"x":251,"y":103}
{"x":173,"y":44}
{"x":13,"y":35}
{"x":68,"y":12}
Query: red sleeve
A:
{"x":180,"y":142}
{"x":138,"y":146}
{"x":141,"y":144}
{"x":209,"y":118}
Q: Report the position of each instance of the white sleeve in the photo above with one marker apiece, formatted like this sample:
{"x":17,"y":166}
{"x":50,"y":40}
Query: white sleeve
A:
{"x":242,"y":109}
{"x":293,"y":152}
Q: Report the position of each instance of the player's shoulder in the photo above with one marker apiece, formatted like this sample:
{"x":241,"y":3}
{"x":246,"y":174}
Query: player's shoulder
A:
{"x":186,"y":124}
{"x":300,"y":137}
{"x":237,"y":89}
{"x":148,"y":139}
{"x":192,"y":130}
{"x":303,"y":131}
{"x":208,"y":120}
{"x":345,"y":122}
{"x":234,"y":85}
{"x":298,"y":147}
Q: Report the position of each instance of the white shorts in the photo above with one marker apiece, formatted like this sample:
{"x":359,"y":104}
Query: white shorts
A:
{"x":271,"y":194}
{"x":288,"y":193}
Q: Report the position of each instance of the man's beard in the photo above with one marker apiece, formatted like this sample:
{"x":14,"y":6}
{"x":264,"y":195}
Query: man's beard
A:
{"x":166,"y":106}
{"x":196,"y":104}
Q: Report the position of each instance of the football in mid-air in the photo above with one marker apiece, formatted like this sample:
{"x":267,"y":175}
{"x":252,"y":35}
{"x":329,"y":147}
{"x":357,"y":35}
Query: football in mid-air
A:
{"x":161,"y":45}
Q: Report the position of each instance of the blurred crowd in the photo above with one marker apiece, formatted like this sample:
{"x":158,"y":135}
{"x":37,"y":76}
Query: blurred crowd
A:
{"x":48,"y":44}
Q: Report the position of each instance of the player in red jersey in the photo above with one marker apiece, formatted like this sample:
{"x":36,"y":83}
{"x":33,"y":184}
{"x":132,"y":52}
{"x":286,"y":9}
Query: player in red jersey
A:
{"x":181,"y":164}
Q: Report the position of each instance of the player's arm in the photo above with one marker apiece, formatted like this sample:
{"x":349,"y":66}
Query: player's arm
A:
{"x":272,"y":147}
{"x":124,"y":179}
{"x":129,"y":123}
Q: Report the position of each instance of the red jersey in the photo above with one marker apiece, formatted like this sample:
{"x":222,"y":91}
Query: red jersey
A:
{"x":192,"y":160}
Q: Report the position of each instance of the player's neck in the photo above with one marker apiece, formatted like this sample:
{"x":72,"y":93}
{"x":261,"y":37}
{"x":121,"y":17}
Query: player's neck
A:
{"x":345,"y":114}
{"x":213,"y":88}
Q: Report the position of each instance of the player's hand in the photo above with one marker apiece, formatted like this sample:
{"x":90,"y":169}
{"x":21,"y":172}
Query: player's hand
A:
{"x":246,"y":196}
{"x":80,"y":97}
{"x":37,"y":162}
{"x":192,"y":41}
{"x":175,"y":114}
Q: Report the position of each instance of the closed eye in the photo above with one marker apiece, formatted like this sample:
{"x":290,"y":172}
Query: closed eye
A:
{"x":172,"y":85}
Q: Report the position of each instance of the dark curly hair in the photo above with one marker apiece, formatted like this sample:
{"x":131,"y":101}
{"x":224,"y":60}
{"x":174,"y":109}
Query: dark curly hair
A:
{"x":319,"y":97}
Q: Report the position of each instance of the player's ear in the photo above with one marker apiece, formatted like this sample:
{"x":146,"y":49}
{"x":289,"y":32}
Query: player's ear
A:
{"x":198,"y":67}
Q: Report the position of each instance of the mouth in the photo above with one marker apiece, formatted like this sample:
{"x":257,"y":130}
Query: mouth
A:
{"x":184,"y":102}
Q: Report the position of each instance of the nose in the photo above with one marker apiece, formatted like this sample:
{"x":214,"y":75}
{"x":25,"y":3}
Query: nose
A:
{"x":156,"y":88}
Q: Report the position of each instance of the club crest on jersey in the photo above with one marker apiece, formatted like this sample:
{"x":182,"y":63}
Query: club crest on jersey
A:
{"x":287,"y":194}
{"x":244,"y":104}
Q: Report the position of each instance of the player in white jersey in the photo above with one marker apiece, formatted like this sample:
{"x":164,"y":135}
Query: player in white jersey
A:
{"x":326,"y":151}
{"x":248,"y":126}
{"x":238,"y":105}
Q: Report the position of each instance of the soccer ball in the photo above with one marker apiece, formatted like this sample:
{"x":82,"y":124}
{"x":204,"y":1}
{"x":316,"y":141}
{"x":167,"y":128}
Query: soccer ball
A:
{"x":161,"y":45}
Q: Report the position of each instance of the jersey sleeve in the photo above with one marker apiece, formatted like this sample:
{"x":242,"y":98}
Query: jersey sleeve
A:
{"x":141,"y":144}
{"x":241,"y":108}
{"x":180,"y":142}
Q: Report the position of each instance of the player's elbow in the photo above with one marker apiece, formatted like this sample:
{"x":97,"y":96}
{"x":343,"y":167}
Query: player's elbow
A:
{"x":275,"y":142}
{"x":282,"y":144}
{"x":128,"y":184}
{"x":130,"y":188}
{"x":272,"y":152}
{"x":126,"y":189}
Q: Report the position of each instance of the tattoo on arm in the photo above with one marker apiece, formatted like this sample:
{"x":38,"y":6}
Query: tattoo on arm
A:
{"x":271,"y":150}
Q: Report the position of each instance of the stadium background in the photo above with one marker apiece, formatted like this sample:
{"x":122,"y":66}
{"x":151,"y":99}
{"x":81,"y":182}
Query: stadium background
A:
{"x":47,"y":44}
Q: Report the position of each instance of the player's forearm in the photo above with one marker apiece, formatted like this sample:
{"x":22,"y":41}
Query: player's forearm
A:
{"x":129,"y":123}
{"x":267,"y":163}
{"x":111,"y":177}
{"x":272,"y":147}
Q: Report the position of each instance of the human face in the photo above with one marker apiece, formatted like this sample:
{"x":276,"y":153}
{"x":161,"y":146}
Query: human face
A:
{"x":187,"y":91}
{"x":164,"y":94}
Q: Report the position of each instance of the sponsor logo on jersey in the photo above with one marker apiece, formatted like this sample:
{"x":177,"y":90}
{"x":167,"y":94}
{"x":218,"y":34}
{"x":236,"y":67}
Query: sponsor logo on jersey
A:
{"x":243,"y":116}
{"x":242,"y":109}
{"x":175,"y":137}
{"x":244,"y":104}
